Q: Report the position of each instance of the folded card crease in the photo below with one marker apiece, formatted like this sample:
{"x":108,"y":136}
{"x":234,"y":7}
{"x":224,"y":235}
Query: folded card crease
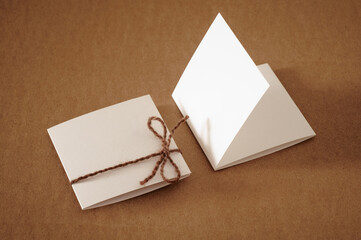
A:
{"x":274,"y":124}
{"x":237,"y":111}
{"x":209,"y":89}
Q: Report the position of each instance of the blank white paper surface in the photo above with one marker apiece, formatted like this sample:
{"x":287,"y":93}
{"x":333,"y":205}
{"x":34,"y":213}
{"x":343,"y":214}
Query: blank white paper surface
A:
{"x":219,"y":88}
{"x":275,"y":123}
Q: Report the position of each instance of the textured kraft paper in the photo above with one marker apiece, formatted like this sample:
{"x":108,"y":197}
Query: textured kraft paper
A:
{"x":62,"y":59}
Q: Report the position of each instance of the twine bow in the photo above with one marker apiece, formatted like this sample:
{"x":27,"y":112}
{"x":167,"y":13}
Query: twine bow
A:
{"x":164,"y":155}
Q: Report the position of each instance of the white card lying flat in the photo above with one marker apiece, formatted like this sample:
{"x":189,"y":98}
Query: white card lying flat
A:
{"x":107,"y":137}
{"x":223,"y":92}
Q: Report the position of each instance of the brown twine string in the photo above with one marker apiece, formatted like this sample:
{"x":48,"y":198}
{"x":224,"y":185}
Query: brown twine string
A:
{"x":164,"y":155}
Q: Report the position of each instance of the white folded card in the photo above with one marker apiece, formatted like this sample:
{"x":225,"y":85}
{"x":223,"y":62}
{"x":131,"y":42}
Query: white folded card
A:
{"x":237,"y":111}
{"x":107,"y":137}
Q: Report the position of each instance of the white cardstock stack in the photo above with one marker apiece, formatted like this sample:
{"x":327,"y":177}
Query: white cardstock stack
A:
{"x":238,"y":111}
{"x":105,"y":138}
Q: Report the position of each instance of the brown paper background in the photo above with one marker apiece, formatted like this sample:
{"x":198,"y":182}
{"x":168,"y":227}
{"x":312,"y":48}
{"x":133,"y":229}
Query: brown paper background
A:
{"x":61,"y":59}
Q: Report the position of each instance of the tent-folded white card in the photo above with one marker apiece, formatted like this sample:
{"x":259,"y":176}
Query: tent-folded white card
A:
{"x":274,"y":124}
{"x":107,"y":137}
{"x":221,"y":88}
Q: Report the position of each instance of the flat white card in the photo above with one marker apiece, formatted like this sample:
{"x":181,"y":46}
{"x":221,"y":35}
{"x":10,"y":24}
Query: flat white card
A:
{"x":220,"y":89}
{"x":107,"y":137}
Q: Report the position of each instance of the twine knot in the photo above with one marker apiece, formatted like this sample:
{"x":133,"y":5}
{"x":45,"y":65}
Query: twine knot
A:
{"x":164,"y":155}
